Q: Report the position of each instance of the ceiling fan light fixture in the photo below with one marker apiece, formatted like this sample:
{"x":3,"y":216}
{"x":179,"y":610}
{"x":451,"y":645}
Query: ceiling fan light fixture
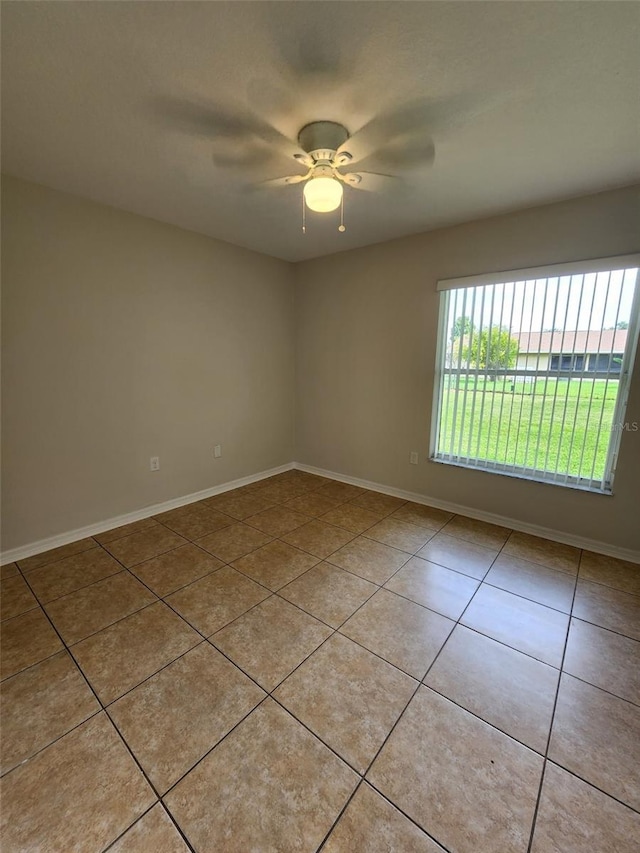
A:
{"x":322,"y":194}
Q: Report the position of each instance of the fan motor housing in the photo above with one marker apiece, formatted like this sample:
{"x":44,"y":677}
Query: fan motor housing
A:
{"x":322,"y":139}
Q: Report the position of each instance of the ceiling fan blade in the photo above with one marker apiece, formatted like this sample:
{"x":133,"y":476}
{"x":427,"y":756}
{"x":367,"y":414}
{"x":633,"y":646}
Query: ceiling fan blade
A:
{"x":308,"y":58}
{"x":371,"y":181}
{"x":203,"y":119}
{"x":350,"y":178}
{"x":408,"y":152}
{"x":283,"y":182}
{"x":226,"y":128}
{"x":342,"y":159}
{"x":243,"y":154}
{"x":408,"y":130}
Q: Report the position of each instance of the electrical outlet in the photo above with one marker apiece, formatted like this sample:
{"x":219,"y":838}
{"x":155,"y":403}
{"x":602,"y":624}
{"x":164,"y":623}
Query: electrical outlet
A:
{"x":413,"y":457}
{"x":217,"y":451}
{"x":154,"y":463}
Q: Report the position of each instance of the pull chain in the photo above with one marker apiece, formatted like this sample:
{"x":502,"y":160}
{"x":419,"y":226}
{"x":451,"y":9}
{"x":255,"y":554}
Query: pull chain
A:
{"x":304,"y":221}
{"x":341,"y":226}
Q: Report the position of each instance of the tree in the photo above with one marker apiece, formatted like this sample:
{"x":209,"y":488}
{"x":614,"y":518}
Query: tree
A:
{"x":491,"y":349}
{"x":462,"y":326}
{"x":622,"y":324}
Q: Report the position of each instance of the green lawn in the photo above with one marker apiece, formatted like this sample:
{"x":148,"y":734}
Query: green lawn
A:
{"x":513,"y":422}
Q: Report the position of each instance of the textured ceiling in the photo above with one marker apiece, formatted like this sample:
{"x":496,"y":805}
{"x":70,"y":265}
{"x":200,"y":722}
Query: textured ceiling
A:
{"x":175,"y":109}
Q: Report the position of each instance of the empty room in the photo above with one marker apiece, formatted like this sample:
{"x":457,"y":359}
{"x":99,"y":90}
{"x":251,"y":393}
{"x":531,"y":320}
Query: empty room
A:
{"x":320,"y":427}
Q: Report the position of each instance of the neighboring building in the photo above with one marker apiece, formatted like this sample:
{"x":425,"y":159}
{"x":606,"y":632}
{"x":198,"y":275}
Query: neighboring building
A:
{"x":591,"y":351}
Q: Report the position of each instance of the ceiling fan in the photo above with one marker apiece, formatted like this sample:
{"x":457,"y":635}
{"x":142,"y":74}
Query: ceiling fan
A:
{"x":399,"y":140}
{"x":324,"y":154}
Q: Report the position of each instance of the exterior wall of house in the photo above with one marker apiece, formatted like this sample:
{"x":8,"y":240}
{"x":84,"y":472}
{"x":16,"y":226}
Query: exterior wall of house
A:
{"x":533,"y":361}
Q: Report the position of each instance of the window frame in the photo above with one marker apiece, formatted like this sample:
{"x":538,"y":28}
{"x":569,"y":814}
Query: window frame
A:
{"x":582,"y":267}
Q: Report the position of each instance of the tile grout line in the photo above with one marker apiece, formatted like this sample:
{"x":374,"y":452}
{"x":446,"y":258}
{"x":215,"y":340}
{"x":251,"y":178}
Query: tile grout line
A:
{"x":313,"y":616}
{"x":98,"y":545}
{"x":270,"y":693}
{"x":31,"y":665}
{"x":363,"y":779}
{"x":24,"y":761}
{"x":22,"y":612}
{"x":602,"y":690}
{"x":187,"y":539}
{"x":233,"y":663}
{"x":204,"y":638}
{"x":104,"y":709}
{"x":202,"y":758}
{"x":591,"y":785}
{"x":334,"y":630}
{"x":317,"y":518}
{"x":362,"y":577}
{"x":123,"y":568}
{"x":317,"y":489}
{"x":191,"y":583}
{"x":186,"y":507}
{"x":506,"y":645}
{"x":402,"y":713}
{"x":553,"y":713}
{"x":272,"y":592}
{"x":604,"y":628}
{"x":42,"y":603}
{"x":209,"y":640}
{"x":24,"y":572}
{"x":110,"y":624}
{"x":482,"y":719}
{"x":425,"y":832}
{"x":276,"y":538}
{"x":325,"y":559}
{"x":614,"y":588}
{"x":525,"y":597}
{"x":159,"y":802}
{"x":359,"y":784}
{"x":131,"y":570}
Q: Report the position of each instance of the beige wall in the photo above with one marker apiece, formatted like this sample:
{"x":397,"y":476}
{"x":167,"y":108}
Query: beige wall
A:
{"x":124,"y":339}
{"x":366,"y":324}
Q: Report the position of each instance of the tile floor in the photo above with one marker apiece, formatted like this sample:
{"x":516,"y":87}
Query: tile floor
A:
{"x":303,"y":665}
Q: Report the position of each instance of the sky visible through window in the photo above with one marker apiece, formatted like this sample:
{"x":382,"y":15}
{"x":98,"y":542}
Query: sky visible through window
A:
{"x":579,"y":302}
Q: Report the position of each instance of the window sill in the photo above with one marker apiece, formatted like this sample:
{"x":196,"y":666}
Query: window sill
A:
{"x":534,"y":477}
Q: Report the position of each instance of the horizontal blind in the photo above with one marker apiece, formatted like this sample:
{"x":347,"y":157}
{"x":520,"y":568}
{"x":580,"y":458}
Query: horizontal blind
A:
{"x":532,"y":374}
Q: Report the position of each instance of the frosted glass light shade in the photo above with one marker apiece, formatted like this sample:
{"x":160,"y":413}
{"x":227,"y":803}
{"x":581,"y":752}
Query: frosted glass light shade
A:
{"x":322,"y":194}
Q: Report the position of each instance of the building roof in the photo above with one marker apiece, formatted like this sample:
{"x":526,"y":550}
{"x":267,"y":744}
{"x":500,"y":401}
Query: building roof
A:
{"x":592,"y":340}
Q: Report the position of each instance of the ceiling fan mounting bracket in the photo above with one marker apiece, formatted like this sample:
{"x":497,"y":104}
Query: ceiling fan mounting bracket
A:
{"x":324,"y":170}
{"x":321,"y":139}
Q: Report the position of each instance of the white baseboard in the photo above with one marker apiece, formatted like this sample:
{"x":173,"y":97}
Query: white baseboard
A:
{"x":101,"y":527}
{"x":471,"y":512}
{"x":459,"y":509}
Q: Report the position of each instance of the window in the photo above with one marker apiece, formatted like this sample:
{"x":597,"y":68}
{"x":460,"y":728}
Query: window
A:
{"x":605,"y":362}
{"x":533,"y":368}
{"x":567,"y":362}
